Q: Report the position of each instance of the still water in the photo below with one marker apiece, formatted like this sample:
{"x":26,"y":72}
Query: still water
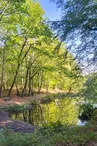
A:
{"x":63,"y":110}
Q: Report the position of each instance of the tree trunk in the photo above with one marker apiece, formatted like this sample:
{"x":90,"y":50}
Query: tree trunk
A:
{"x":32,"y":91}
{"x":2,"y":70}
{"x":40,"y":80}
{"x":47,"y":86}
{"x":4,"y":87}
{"x":29,"y":93}
{"x":25,"y":85}
{"x":17,"y":90}
{"x":14,"y":80}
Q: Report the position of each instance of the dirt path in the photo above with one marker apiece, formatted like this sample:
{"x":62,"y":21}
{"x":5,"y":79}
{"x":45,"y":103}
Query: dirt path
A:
{"x":26,"y":100}
{"x":20,"y":100}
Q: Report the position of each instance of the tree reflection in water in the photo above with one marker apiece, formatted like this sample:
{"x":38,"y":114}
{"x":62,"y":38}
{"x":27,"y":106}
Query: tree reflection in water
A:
{"x":63,"y":110}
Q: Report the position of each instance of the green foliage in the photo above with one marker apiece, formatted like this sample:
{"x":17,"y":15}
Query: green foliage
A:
{"x":78,"y":25}
{"x":51,"y":97}
{"x":16,"y":108}
{"x":34,"y":102}
{"x":90,"y":87}
{"x":86,"y":111}
{"x":47,"y":99}
{"x":31,"y":57}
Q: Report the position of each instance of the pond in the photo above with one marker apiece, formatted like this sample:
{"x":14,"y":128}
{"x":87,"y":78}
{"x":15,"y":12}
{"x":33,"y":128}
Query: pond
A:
{"x":63,"y":110}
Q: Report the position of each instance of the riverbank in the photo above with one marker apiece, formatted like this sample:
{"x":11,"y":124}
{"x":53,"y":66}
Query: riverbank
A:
{"x":23,"y":107}
{"x":54,"y":135}
{"x":14,"y":125}
{"x":43,"y":97}
{"x":20,"y":100}
{"x":15,"y":104}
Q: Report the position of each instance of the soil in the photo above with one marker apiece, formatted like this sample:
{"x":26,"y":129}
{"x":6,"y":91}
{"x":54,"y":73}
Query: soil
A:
{"x":20,"y":100}
{"x":16,"y":126}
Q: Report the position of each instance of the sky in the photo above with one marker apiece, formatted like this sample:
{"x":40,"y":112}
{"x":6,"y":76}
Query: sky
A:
{"x":50,"y":9}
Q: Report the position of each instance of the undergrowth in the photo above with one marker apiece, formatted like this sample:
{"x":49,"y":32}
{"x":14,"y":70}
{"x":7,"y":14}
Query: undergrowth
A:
{"x":54,"y":135}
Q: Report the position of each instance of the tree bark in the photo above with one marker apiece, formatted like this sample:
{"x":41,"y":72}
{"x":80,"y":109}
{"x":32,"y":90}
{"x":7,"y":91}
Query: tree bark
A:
{"x":17,"y":90}
{"x":40,"y":80}
{"x":2,"y":70}
{"x":30,"y":85}
{"x":14,"y":80}
{"x":25,"y":85}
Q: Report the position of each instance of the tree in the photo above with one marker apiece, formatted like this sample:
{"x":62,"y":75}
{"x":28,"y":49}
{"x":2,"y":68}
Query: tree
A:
{"x":78,"y":26}
{"x":30,"y":54}
{"x":90,"y":87}
{"x":19,"y":15}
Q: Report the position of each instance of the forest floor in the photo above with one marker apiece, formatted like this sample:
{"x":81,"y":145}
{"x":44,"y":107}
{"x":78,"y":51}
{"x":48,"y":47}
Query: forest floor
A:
{"x":20,"y":100}
{"x":26,"y":100}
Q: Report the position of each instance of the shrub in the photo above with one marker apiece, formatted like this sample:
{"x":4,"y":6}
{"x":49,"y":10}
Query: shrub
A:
{"x":86,"y":111}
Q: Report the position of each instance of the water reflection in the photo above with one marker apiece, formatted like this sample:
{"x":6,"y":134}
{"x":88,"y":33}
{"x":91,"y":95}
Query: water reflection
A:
{"x":63,"y":110}
{"x":82,"y":123}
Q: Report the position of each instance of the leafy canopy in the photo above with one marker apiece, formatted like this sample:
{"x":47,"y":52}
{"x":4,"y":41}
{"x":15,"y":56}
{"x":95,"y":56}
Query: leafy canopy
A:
{"x":78,"y":25}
